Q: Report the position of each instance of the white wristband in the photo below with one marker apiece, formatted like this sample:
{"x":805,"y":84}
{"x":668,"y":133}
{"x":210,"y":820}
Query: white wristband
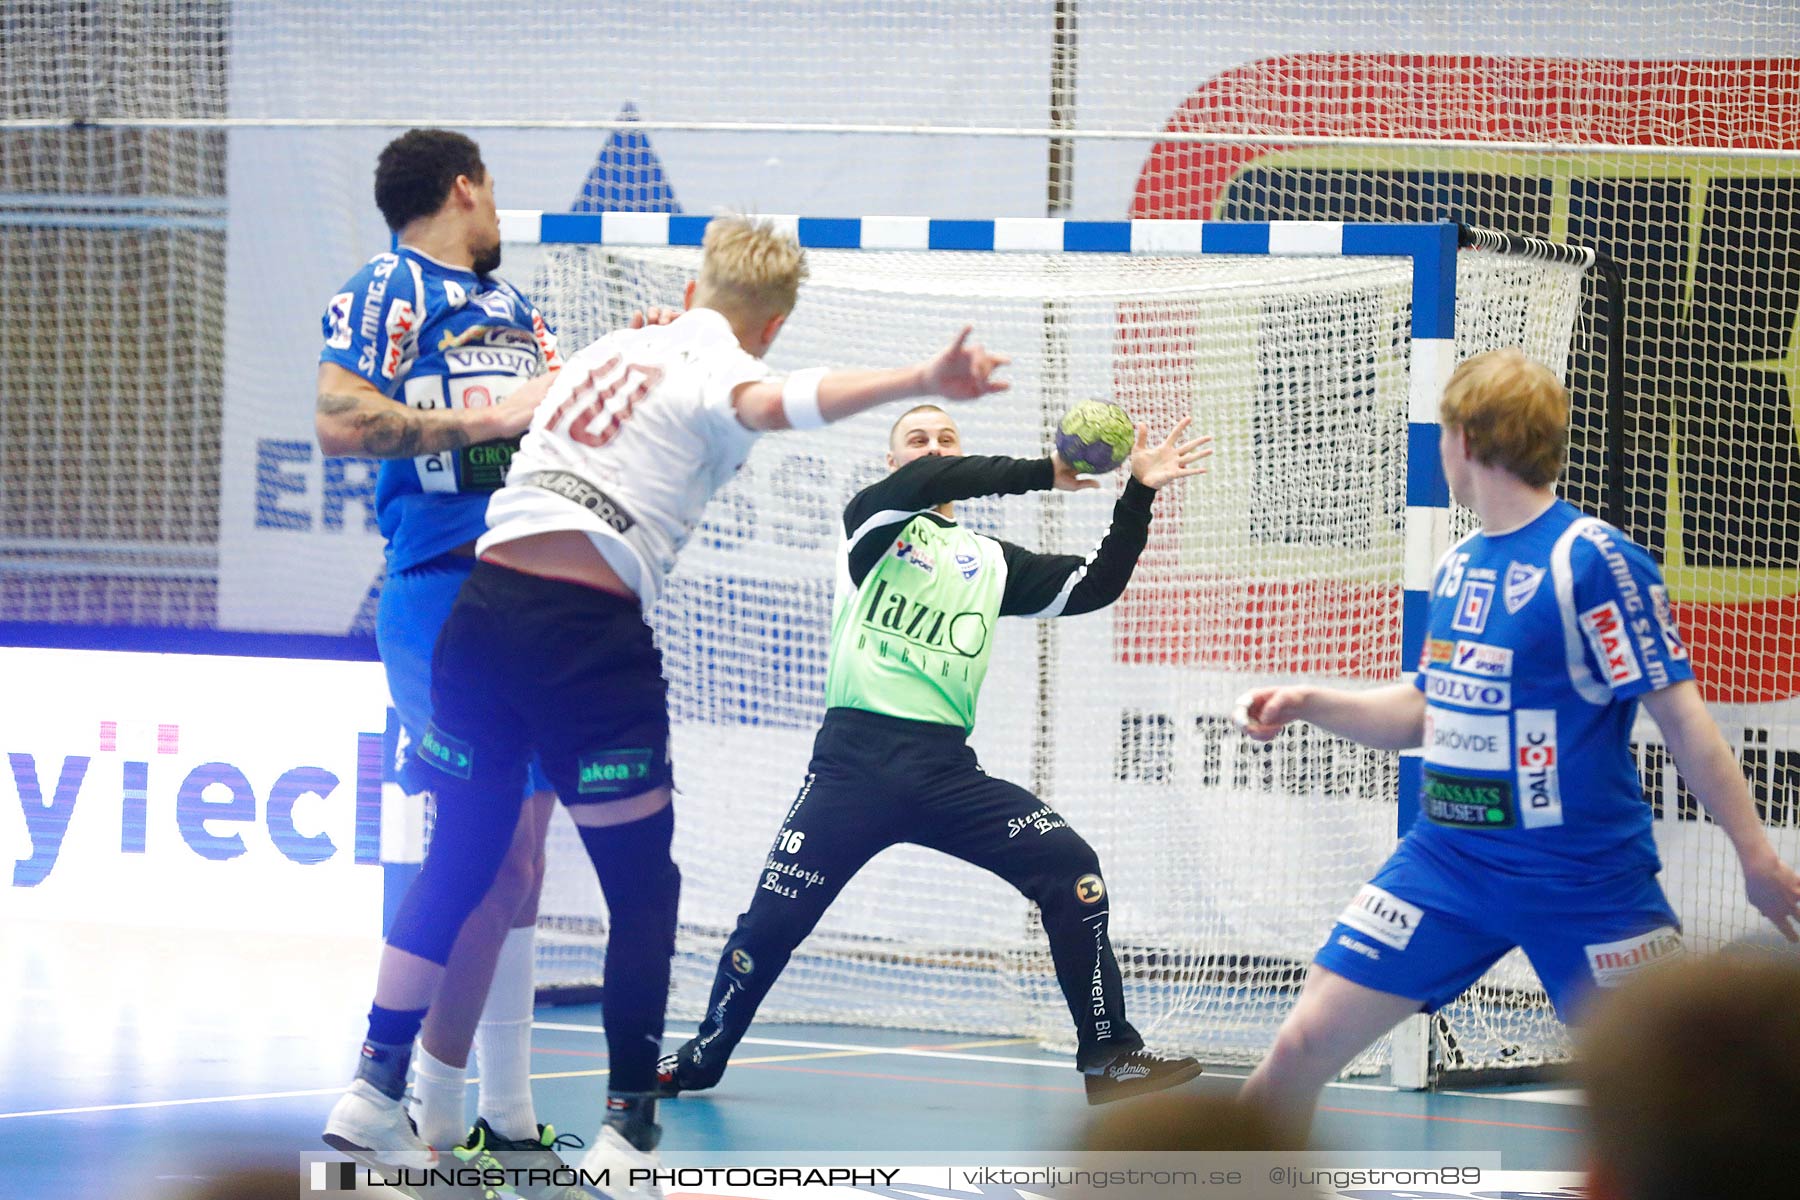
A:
{"x":800,"y":399}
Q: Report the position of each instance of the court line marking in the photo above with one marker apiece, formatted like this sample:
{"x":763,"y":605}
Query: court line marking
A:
{"x":1573,"y":1097}
{"x":95,"y":1108}
{"x":1056,"y":1064}
{"x":825,"y":1050}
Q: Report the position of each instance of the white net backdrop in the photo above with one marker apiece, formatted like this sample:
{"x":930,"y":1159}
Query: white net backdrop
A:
{"x":1226,"y":861}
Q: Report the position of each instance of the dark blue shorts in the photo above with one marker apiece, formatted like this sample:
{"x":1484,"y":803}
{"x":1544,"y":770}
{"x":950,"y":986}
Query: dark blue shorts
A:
{"x":528,"y":667}
{"x":414,"y":605}
{"x":1432,"y":921}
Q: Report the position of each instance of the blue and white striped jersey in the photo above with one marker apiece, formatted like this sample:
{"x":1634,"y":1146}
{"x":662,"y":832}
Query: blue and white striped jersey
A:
{"x":431,"y":335}
{"x":1540,"y":643}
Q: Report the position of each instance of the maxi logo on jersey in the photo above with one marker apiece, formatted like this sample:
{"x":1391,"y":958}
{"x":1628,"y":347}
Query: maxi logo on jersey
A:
{"x":1604,"y":628}
{"x":1616,"y":630}
{"x":402,"y":332}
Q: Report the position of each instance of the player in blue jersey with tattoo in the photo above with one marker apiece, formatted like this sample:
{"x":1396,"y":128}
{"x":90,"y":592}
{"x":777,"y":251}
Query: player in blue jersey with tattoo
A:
{"x":1547,"y":629}
{"x":434,"y":365}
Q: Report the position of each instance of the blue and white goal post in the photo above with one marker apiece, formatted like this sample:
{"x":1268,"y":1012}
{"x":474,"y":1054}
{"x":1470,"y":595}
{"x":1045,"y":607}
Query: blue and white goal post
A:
{"x":1419,"y":345}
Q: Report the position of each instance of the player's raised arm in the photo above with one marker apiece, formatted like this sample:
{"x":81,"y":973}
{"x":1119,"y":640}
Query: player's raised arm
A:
{"x":1708,"y":766}
{"x":817,"y":396}
{"x":353,"y":417}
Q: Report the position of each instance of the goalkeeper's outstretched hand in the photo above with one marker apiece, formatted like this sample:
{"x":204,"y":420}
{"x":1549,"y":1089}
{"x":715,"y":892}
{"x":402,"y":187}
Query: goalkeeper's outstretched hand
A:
{"x":1170,"y":459}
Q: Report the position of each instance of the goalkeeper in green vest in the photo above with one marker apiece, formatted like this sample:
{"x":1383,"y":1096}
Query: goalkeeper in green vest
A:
{"x":917,"y":600}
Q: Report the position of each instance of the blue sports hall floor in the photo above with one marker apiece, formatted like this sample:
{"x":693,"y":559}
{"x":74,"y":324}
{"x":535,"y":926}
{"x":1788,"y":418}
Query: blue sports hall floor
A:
{"x":143,"y":1064}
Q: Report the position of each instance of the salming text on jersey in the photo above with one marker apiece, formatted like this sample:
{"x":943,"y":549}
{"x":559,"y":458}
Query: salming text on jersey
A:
{"x":1540,"y":643}
{"x":434,"y":336}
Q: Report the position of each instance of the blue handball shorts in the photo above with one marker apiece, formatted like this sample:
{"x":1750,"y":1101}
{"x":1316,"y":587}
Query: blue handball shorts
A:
{"x":414,"y":606}
{"x":1433,"y":920}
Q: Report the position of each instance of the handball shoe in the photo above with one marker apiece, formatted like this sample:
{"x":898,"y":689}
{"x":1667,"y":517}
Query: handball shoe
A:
{"x":375,"y":1131}
{"x":676,"y":1073}
{"x":614,"y":1158}
{"x":484,"y":1148}
{"x":1138,"y":1073}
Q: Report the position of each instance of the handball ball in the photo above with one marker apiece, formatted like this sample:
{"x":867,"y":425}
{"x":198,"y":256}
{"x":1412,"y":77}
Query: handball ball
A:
{"x":1095,"y":437}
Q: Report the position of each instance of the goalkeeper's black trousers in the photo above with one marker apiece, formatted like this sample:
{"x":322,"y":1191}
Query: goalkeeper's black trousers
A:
{"x":875,"y":781}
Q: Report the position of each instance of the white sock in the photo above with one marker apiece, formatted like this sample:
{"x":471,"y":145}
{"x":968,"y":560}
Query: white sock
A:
{"x":503,"y":1041}
{"x":438,"y":1090}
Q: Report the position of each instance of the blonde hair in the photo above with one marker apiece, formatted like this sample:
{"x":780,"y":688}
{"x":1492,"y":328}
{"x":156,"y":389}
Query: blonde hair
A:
{"x":1514,"y":411}
{"x":749,"y":269}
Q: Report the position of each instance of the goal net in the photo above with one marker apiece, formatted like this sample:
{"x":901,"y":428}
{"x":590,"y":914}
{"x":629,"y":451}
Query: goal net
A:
{"x":1226,"y":860}
{"x":183,"y":183}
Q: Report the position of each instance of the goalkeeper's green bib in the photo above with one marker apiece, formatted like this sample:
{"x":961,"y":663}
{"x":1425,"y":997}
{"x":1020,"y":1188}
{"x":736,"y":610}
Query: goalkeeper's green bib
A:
{"x":913,"y":640}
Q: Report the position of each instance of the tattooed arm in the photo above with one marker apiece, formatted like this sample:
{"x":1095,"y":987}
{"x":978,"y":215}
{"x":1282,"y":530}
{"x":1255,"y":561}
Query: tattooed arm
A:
{"x":354,"y":418}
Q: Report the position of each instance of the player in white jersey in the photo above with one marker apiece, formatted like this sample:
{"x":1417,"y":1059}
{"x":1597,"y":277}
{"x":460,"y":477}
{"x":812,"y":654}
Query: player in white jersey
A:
{"x":546,"y":649}
{"x":1546,"y":629}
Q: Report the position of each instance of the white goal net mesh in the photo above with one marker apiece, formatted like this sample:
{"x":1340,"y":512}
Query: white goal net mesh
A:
{"x":1226,"y":861}
{"x":184,"y":183}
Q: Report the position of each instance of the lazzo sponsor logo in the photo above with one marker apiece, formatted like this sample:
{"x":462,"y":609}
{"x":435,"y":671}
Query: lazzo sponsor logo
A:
{"x":1614,"y":962}
{"x":1383,"y":916}
{"x":1604,"y":628}
{"x":1455,"y":739}
{"x":1540,"y":794}
{"x":1446,"y":688}
{"x":890,"y":611}
{"x":1479,"y":658}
